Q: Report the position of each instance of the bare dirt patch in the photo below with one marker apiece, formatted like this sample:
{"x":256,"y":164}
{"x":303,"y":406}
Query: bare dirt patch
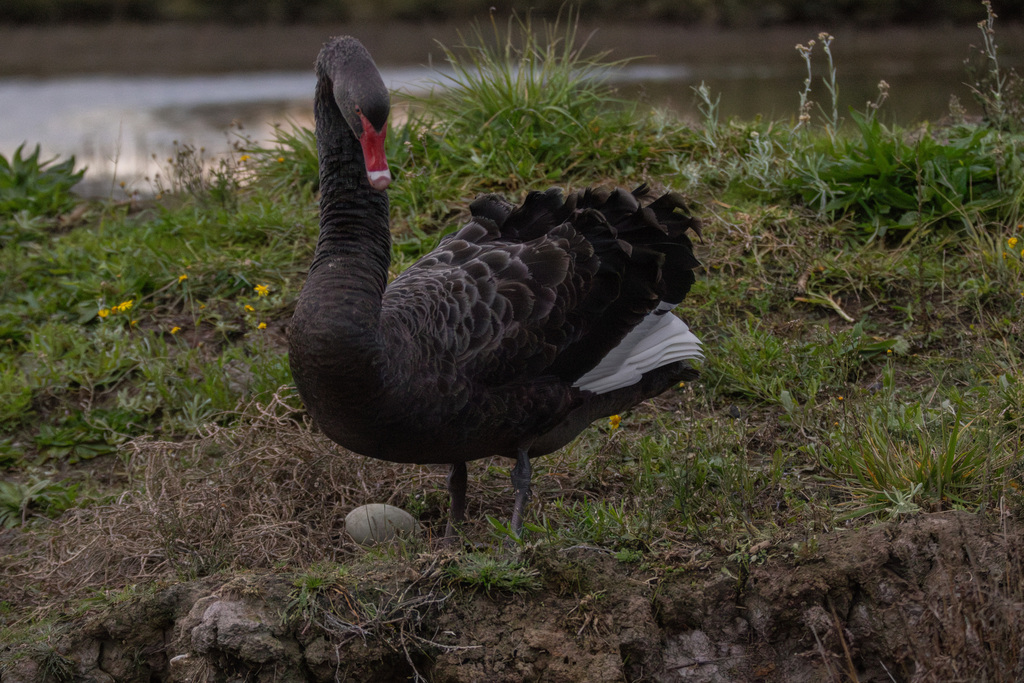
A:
{"x":935,"y":598}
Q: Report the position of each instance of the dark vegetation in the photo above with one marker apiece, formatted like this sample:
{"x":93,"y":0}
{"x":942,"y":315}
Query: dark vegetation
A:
{"x":840,"y":491}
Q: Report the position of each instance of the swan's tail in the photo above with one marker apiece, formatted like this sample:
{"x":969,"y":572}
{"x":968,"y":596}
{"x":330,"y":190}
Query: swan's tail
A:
{"x":661,"y":338}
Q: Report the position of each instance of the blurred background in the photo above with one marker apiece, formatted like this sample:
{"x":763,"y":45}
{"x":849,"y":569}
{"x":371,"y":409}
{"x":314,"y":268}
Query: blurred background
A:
{"x":117,"y":83}
{"x":717,"y":12}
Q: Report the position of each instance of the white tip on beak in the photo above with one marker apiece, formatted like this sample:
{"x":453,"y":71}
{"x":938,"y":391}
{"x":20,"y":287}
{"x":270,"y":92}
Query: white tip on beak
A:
{"x":379,"y":180}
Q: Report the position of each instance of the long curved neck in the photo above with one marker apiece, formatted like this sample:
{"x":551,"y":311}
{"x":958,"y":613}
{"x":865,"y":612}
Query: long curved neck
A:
{"x":335,"y":348}
{"x":350,"y":267}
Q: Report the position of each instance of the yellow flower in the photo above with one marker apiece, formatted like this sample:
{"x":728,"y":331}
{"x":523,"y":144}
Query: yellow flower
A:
{"x":244,"y":157}
{"x":262,"y":326}
{"x":280,"y":160}
{"x":840,"y":398}
{"x":613,"y":422}
{"x":261,"y":290}
{"x":125,"y":306}
{"x":249,"y":308}
{"x":103,"y":312}
{"x":1012,"y":242}
{"x":183,"y":276}
{"x":175,"y":330}
{"x":133,"y":323}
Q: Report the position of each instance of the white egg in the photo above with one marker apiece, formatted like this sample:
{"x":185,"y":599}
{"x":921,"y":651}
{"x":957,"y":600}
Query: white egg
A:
{"x":377,"y":522}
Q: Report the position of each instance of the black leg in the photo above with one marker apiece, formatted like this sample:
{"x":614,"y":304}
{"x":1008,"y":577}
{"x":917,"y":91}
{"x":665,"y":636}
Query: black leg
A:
{"x":521,"y":475}
{"x":457,"y":491}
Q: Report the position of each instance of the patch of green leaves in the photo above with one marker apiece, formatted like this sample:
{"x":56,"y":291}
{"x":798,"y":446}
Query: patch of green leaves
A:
{"x":38,"y":188}
{"x":481,"y":571}
{"x":888,"y":181}
{"x":19,"y":502}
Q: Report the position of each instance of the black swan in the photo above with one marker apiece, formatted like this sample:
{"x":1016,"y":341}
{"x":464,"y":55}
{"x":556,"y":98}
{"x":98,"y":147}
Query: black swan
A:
{"x":509,"y":338}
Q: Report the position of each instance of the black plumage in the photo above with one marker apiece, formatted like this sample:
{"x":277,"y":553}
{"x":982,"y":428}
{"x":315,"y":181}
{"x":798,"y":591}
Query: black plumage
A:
{"x":488,"y":344}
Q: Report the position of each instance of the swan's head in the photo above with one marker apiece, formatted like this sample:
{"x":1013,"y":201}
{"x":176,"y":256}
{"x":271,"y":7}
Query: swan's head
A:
{"x":363,"y":99}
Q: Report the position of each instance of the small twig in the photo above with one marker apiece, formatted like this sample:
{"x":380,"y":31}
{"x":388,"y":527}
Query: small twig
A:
{"x":891,"y":678}
{"x":825,"y":300}
{"x":417,"y":677}
{"x":703,"y":662}
{"x":586,"y":622}
{"x":842,"y":640}
{"x":587,"y":547}
{"x":824,"y":654}
{"x":442,"y":646}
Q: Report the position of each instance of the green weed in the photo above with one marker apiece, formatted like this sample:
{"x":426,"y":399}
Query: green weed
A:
{"x":898,"y":456}
{"x":534,"y":87}
{"x":716,"y":487}
{"x":481,"y":571}
{"x":37,"y":188}
{"x":602,"y":523}
{"x":886,"y":183}
{"x":57,"y":667}
{"x":830,"y":81}
{"x":311,"y":585}
{"x":754,"y":363}
{"x":21,"y":501}
{"x":889,"y":183}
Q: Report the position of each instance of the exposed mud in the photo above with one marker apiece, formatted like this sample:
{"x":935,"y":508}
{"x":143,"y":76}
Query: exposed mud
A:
{"x":937,"y":597}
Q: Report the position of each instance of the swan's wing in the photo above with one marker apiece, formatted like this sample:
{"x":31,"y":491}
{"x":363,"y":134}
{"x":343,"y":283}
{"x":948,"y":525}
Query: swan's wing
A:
{"x":552,"y":288}
{"x":486,"y":310}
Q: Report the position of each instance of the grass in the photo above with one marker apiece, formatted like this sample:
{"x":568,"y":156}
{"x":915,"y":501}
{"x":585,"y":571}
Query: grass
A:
{"x":481,"y":571}
{"x":861,"y":305}
{"x":312,"y":585}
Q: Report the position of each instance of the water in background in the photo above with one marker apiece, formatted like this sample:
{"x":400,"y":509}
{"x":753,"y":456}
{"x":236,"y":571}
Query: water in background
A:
{"x":124,"y":128}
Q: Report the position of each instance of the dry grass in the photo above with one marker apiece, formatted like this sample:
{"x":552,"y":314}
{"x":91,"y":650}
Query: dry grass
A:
{"x":267,"y":490}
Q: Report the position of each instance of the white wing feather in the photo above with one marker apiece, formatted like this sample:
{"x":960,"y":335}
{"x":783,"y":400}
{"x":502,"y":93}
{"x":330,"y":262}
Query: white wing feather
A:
{"x":660,"y":338}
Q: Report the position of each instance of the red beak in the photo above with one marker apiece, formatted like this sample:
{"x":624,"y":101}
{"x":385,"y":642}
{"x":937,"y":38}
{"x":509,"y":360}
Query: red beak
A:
{"x":377,"y":171}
